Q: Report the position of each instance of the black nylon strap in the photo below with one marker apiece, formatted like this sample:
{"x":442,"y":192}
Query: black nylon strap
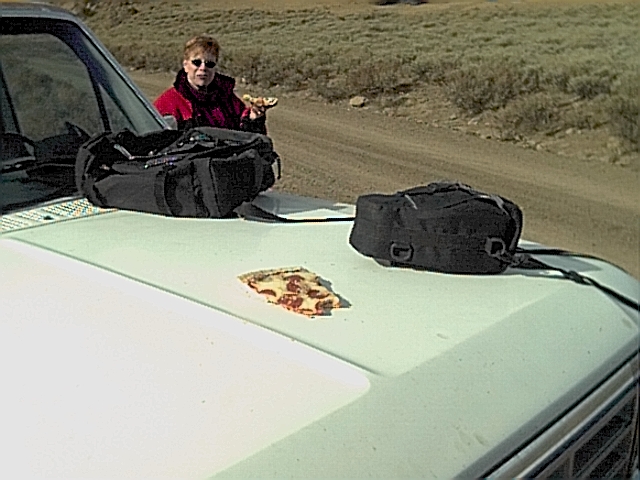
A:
{"x":523,"y":259}
{"x":249,"y":211}
{"x":159,"y":192}
{"x":556,"y":252}
{"x":582,"y":280}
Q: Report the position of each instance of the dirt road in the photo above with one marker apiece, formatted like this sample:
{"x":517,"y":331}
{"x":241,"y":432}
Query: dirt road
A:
{"x":331,"y":151}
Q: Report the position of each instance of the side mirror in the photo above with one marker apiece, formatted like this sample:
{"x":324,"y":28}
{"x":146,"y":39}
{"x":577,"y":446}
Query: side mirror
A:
{"x":171,"y":122}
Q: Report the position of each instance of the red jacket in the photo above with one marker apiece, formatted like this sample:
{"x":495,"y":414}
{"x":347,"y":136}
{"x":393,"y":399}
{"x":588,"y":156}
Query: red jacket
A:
{"x":218,"y":107}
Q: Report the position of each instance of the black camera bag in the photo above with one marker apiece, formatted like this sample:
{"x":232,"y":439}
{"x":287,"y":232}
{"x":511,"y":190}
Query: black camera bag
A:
{"x":202,"y":172}
{"x":444,"y":227}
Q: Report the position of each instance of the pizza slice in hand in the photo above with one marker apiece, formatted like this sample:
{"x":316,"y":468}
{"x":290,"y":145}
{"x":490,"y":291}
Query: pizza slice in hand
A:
{"x":296,"y":289}
{"x":260,"y":102}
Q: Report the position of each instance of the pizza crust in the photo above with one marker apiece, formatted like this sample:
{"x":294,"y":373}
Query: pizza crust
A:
{"x":295,"y":289}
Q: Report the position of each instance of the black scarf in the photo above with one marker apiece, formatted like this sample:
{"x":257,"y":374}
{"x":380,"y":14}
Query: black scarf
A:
{"x":205,"y":101}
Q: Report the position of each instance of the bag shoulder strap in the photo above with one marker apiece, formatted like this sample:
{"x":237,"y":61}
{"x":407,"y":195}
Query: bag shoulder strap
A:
{"x":523,"y":259}
{"x":249,"y":211}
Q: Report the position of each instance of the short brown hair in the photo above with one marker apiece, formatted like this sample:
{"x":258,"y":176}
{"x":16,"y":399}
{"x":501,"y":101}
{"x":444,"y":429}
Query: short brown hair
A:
{"x":201,"y":44}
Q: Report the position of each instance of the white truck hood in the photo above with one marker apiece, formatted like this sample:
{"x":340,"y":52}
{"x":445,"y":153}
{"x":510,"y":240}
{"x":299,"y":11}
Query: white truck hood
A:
{"x":131,"y":349}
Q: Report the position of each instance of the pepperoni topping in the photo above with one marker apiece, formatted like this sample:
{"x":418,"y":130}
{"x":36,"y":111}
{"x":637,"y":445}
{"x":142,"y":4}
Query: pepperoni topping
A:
{"x":317,"y":294}
{"x":267,"y":291}
{"x":292,"y":301}
{"x":293,"y":287}
{"x":294,"y":278}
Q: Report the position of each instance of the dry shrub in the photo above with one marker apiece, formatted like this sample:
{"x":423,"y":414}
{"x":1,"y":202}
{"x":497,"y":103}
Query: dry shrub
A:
{"x":433,"y":71}
{"x":624,"y":113}
{"x":370,"y":78}
{"x":116,"y":9}
{"x":536,"y":112}
{"x":551,"y":112}
{"x":152,"y":56}
{"x":331,"y":89}
{"x":249,"y":63}
{"x":586,"y":115}
{"x":375,"y":78}
{"x":587,"y":78}
{"x":266,"y":68}
{"x":490,"y":85}
{"x":589,"y":86}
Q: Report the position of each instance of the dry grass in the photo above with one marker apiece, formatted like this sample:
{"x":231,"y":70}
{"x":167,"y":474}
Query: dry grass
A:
{"x":536,"y":67}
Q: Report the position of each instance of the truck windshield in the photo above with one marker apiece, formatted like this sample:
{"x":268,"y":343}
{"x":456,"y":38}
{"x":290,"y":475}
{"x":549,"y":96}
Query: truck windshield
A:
{"x":57,"y":90}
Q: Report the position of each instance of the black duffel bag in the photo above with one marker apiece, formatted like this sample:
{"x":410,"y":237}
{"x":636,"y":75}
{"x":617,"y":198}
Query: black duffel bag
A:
{"x":444,"y":226}
{"x":202,"y":172}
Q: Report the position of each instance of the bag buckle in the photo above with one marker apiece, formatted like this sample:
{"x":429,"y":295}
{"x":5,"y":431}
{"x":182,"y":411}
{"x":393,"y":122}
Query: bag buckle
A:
{"x":400,"y":252}
{"x":495,"y":247}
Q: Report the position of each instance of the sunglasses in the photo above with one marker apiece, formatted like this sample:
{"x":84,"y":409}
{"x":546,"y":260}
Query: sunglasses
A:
{"x":197,"y":62}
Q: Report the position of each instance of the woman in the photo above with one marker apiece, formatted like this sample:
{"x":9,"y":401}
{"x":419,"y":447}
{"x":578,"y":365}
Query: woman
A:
{"x":200,"y":96}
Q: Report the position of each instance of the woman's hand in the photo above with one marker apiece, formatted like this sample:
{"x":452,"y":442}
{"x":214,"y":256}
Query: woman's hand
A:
{"x":257,"y":112}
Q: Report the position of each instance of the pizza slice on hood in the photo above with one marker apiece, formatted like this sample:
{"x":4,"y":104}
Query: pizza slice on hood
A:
{"x":296,"y":289}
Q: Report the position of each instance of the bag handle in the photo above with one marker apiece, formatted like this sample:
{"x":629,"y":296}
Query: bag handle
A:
{"x":437,"y":187}
{"x":442,"y":187}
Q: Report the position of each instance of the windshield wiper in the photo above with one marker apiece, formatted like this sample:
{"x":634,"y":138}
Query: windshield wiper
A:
{"x":17,"y":164}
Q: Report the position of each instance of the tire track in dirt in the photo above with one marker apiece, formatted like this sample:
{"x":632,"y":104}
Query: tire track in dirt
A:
{"x":432,"y":152}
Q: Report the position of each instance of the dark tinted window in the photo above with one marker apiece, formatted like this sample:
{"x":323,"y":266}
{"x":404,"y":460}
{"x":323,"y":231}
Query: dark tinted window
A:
{"x":57,"y":90}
